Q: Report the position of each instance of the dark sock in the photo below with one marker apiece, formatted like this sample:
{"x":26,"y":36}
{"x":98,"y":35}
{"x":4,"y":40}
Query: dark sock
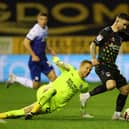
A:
{"x":99,"y":89}
{"x":120,"y":102}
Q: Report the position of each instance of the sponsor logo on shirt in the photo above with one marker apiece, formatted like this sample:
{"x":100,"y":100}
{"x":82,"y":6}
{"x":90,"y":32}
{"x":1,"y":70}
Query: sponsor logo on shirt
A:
{"x":114,"y":46}
{"x":99,"y":37}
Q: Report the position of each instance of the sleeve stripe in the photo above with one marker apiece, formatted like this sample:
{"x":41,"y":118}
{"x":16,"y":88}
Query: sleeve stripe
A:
{"x":29,"y":38}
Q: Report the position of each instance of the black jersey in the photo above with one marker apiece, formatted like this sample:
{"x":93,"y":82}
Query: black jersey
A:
{"x":109,"y":43}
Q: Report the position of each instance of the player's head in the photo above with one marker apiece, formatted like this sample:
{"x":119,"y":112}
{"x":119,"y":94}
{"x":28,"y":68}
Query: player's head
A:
{"x":122,"y":22}
{"x":85,"y":68}
{"x":42,"y":19}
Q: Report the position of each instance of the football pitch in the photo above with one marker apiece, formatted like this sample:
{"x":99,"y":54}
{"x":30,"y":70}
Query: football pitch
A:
{"x":101,"y":106}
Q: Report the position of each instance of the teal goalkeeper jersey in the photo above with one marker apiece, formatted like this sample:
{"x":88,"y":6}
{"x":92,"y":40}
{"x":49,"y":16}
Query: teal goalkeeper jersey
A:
{"x":67,"y":85}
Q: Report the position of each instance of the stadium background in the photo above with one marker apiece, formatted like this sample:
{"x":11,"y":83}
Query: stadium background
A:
{"x":72,"y":25}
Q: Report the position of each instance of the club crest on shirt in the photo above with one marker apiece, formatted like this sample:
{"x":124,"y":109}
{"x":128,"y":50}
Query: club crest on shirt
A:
{"x":108,"y":74}
{"x":99,"y":37}
{"x":36,"y":78}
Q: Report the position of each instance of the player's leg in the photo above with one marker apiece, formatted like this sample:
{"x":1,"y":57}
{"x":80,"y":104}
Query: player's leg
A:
{"x":21,"y":80}
{"x":122,"y":97}
{"x":48,"y":70}
{"x":100,"y":88}
{"x":84,"y":113}
{"x":84,"y":97}
{"x":12,"y":114}
{"x":40,"y":92}
{"x":110,"y":84}
{"x":97,"y":90}
{"x":108,"y":81}
{"x":44,"y":94}
{"x":106,"y":77}
{"x":35,"y":72}
{"x":16,"y":113}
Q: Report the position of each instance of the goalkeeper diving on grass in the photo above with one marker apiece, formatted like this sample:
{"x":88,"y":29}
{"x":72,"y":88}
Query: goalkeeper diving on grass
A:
{"x":55,"y":95}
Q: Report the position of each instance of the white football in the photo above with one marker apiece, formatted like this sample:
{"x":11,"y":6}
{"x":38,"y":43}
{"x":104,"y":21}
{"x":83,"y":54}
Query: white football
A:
{"x":126,"y":114}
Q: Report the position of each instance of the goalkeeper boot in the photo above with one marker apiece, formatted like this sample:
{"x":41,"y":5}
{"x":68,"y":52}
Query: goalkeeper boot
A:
{"x":2,"y":121}
{"x":10,"y":80}
{"x":29,"y":116}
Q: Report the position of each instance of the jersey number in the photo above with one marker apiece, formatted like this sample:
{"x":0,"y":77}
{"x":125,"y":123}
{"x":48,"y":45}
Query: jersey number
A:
{"x":71,"y":84}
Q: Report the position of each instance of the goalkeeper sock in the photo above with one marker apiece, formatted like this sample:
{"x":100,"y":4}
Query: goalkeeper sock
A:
{"x":15,"y":113}
{"x":36,"y":108}
{"x":3,"y":115}
{"x":24,"y":81}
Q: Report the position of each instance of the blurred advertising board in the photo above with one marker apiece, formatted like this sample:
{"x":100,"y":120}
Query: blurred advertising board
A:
{"x":69,"y":17}
{"x":5,"y":45}
{"x":14,"y":44}
{"x":17,"y":64}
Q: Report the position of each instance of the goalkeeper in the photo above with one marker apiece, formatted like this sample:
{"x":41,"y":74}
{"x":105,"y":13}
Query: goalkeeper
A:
{"x":56,"y":94}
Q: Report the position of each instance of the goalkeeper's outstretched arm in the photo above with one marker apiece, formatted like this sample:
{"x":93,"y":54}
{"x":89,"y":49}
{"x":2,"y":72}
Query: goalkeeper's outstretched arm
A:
{"x":60,"y":63}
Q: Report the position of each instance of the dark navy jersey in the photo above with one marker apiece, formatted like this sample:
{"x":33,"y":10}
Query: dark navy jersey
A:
{"x":109,"y":43}
{"x":38,"y":36}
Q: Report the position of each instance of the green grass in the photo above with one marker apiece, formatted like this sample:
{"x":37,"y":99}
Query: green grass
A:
{"x":102,"y":106}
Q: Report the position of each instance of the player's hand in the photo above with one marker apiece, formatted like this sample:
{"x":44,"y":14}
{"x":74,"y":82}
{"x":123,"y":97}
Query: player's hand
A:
{"x":35,"y":58}
{"x":95,"y":62}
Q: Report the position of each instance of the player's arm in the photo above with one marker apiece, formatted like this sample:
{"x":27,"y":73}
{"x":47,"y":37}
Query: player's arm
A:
{"x":60,"y":63}
{"x":27,"y":45}
{"x":99,"y":40}
{"x":49,"y":49}
{"x":93,"y":53}
{"x":31,"y":35}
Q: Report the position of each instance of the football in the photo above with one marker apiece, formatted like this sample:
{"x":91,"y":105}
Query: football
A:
{"x":126,"y":114}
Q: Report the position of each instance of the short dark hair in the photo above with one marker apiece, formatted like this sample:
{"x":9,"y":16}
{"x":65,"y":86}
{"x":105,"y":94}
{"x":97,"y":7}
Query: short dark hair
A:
{"x":124,"y":16}
{"x":85,"y":61}
{"x":42,"y":14}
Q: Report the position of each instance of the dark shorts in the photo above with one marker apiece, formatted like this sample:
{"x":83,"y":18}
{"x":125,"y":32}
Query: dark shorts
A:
{"x":106,"y":73}
{"x":36,"y":68}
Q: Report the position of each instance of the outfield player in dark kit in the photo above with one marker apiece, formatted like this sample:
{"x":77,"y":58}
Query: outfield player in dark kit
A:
{"x":109,"y":41}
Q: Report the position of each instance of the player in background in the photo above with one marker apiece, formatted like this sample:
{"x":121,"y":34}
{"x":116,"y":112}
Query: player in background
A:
{"x":109,"y":41}
{"x":56,"y":94}
{"x":36,"y":44}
